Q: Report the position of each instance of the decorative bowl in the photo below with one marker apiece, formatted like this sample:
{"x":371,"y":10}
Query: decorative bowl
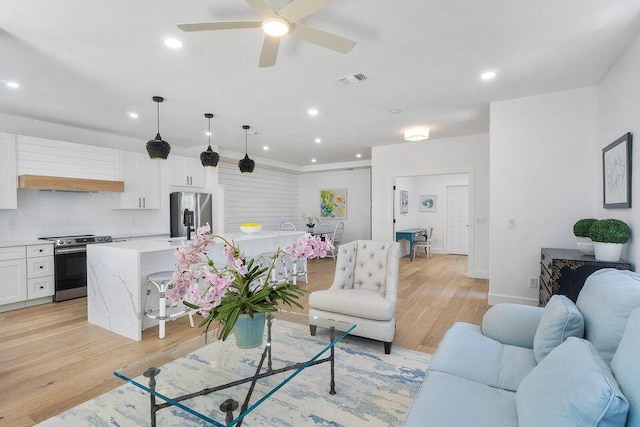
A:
{"x":251,"y":229}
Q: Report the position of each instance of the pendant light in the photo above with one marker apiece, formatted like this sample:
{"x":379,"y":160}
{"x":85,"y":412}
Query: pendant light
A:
{"x":246,"y":165}
{"x":157,"y":148}
{"x":209,"y":158}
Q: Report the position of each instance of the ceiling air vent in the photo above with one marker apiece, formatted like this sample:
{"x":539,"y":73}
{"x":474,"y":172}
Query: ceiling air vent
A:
{"x":352,"y":79}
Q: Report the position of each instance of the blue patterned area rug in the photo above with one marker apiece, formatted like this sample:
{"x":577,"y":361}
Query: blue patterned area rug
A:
{"x":373,"y":389}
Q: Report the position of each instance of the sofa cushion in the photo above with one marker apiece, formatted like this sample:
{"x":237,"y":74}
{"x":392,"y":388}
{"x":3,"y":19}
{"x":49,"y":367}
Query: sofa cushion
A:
{"x":466,"y":352}
{"x":605,"y":301}
{"x":512,"y":324}
{"x":560,"y":320}
{"x":354,"y":302}
{"x":447,"y":400}
{"x":572,"y":386}
{"x":625,"y":367}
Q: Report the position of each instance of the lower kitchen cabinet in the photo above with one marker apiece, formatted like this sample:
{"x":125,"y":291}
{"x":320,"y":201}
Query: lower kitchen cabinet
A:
{"x":564,"y":271}
{"x":13,"y":287}
{"x":27,"y":276}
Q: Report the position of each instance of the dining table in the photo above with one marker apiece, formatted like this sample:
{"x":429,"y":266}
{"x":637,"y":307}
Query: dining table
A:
{"x":411,"y":234}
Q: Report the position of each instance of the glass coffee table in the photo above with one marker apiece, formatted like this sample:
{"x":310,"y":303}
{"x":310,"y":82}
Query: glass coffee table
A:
{"x":221,"y":384}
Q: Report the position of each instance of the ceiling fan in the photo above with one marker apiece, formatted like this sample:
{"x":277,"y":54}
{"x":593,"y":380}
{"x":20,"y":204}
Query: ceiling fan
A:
{"x":276,"y":24}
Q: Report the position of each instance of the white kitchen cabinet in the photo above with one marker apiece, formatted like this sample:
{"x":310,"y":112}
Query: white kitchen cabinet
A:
{"x":141,"y":177}
{"x":27,"y":274}
{"x":13,"y":287}
{"x":8,"y":172}
{"x":186,"y":172}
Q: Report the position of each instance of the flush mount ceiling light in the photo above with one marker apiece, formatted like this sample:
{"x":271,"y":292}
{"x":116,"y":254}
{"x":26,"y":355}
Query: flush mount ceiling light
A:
{"x":358,"y":155}
{"x":157,"y":148}
{"x":416,"y":134}
{"x":489,"y":75}
{"x":133,"y":115}
{"x":313,"y":111}
{"x":209,"y":158}
{"x":275,"y":27}
{"x":313,"y":160}
{"x":318,"y":140}
{"x":246,"y":165}
{"x":13,"y":85}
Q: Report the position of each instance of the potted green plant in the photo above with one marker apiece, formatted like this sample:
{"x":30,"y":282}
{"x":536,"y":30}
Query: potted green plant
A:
{"x":581,"y":231}
{"x":608,"y":236}
{"x":238,"y":296}
{"x":311,"y":221}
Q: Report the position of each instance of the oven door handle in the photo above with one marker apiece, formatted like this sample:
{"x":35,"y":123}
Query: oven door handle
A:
{"x":63,"y":251}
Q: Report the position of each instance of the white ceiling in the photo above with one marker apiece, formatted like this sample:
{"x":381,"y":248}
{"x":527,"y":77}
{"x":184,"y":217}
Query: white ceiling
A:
{"x":87,"y":63}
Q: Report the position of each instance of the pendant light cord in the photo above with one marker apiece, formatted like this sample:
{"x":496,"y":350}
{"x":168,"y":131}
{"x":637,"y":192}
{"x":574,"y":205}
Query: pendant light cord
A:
{"x":209,"y":132}
{"x":246,"y":136}
{"x":158,"y":116}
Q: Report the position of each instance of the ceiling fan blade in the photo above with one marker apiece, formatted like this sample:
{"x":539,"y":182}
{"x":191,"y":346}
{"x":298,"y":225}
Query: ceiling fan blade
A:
{"x":299,"y":9}
{"x":330,"y":41}
{"x":269,"y":51}
{"x":261,"y":7}
{"x":231,"y":25}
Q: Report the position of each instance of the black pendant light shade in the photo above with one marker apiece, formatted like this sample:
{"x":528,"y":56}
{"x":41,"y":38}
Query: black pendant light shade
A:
{"x":209,"y":158}
{"x":246,"y":165}
{"x":157,"y":148}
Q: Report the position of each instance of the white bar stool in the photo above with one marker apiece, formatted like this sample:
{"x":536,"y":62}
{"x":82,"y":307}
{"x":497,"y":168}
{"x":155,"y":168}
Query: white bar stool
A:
{"x":162,"y":281}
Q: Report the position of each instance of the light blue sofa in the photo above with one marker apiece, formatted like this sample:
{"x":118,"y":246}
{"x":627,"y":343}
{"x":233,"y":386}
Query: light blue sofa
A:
{"x":529,"y":366}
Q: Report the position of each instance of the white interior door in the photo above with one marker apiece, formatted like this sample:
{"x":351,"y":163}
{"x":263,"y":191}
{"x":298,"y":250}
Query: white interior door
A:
{"x":458,"y":219}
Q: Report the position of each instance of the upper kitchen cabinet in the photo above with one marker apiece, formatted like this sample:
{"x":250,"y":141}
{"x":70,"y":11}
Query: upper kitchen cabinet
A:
{"x":186,"y":172}
{"x":141,"y":177}
{"x":8,"y":172}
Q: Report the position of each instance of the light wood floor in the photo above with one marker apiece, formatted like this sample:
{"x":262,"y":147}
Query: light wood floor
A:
{"x":52,"y":359}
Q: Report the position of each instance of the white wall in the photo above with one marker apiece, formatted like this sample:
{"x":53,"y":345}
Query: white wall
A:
{"x":544,"y":175}
{"x":619,"y":112}
{"x":266,"y":196}
{"x":422,"y":186}
{"x":358,"y":185}
{"x":45,"y":213}
{"x":468,"y":154}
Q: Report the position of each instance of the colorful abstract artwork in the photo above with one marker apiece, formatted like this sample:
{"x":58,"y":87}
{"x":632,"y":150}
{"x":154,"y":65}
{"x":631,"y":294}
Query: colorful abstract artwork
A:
{"x":333,"y":203}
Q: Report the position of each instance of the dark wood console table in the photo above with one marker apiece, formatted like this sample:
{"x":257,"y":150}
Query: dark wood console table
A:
{"x":563,"y":271}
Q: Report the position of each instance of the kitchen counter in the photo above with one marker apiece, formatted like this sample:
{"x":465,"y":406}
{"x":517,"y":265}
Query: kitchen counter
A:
{"x":11,"y":243}
{"x":116,"y":275}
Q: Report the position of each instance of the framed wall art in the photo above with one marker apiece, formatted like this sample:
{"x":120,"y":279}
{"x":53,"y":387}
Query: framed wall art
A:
{"x":404,"y":201}
{"x":333,"y":203}
{"x":428,"y":203}
{"x":616,"y":173}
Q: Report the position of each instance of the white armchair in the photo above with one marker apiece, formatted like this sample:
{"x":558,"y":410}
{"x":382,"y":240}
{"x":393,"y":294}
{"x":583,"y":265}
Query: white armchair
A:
{"x":364,"y":291}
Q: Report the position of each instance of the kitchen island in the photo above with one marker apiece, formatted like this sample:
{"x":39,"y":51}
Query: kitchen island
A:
{"x":116,"y":275}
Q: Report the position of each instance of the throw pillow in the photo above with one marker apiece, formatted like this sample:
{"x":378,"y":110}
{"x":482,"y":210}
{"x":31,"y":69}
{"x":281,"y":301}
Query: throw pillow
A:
{"x":572,"y":386}
{"x":560,"y":320}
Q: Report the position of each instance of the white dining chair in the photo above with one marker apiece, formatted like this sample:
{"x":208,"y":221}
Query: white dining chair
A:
{"x":424,"y":244}
{"x":287,"y":226}
{"x":336,"y":238}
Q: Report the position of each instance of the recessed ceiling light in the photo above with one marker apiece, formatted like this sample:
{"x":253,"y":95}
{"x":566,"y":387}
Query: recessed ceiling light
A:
{"x":173,"y":43}
{"x":358,"y":155}
{"x":13,"y":85}
{"x":313,"y":160}
{"x":133,"y":115}
{"x":207,"y":133}
{"x":313,"y":111}
{"x":318,"y":140}
{"x":488,"y":75}
{"x":265,"y":148}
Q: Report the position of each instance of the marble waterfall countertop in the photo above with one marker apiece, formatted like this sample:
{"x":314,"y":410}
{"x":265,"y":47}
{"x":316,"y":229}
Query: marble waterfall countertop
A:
{"x":116,"y":275}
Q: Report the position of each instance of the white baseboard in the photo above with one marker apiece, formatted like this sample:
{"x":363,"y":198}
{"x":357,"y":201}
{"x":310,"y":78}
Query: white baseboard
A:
{"x":494,"y":299}
{"x":479,"y":274}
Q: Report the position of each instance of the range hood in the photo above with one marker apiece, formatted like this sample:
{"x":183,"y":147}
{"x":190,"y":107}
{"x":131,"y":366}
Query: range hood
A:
{"x":41,"y":182}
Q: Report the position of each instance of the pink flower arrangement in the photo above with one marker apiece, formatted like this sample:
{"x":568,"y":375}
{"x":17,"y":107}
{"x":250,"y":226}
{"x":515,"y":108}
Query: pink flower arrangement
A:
{"x":241,"y":287}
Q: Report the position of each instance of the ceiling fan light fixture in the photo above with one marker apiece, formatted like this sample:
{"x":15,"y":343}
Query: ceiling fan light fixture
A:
{"x":157,"y":148}
{"x":209,"y":158}
{"x":416,"y":134}
{"x":246,"y":165}
{"x":275,"y":27}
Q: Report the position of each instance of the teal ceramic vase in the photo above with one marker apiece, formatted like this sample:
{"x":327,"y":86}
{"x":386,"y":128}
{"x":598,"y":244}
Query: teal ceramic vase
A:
{"x":249,"y":332}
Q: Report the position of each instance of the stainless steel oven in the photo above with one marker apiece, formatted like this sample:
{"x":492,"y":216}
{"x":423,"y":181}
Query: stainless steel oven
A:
{"x":70,"y":258}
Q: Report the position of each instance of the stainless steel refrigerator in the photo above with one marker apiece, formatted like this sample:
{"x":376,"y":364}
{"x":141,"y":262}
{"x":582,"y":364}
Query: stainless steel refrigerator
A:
{"x":194,"y":209}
